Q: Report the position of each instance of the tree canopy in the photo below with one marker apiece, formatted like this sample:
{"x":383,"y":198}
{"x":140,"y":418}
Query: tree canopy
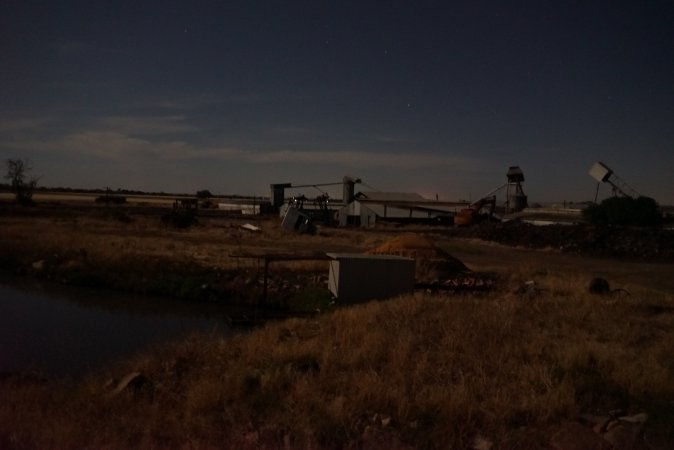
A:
{"x":17,"y":174}
{"x":625,"y":211}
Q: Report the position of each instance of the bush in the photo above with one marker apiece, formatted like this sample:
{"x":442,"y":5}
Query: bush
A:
{"x":111,"y":198}
{"x":17,"y":172}
{"x":180,"y":218}
{"x":624,"y":211}
{"x":204,"y":194}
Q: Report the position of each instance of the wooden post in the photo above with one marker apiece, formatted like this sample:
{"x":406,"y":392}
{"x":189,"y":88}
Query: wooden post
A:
{"x":266,"y":277}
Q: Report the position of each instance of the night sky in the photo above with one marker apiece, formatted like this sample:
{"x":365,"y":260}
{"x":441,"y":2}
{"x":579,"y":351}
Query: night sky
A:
{"x":429,"y":97}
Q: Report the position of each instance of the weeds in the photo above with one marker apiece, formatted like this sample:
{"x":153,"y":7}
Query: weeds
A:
{"x":424,"y":371}
{"x":415,"y":372}
{"x":412,"y":372}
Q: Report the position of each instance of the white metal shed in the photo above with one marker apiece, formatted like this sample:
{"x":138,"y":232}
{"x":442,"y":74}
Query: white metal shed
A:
{"x":356,"y":277}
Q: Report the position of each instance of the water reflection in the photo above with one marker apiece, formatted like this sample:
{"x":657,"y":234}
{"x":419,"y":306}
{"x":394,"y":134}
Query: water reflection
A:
{"x":67,"y":331}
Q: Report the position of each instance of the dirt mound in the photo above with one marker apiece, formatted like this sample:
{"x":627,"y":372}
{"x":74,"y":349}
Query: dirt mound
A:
{"x":410,"y":245}
{"x":432,"y":263}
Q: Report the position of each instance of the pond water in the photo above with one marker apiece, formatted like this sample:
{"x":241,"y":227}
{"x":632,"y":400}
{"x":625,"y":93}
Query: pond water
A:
{"x":64,"y":331}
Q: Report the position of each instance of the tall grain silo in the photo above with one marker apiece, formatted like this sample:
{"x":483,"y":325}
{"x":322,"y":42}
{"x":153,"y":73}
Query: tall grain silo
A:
{"x":516,"y":199}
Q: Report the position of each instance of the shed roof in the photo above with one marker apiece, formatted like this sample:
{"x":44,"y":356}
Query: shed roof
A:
{"x":368,"y":257}
{"x":390,"y":196}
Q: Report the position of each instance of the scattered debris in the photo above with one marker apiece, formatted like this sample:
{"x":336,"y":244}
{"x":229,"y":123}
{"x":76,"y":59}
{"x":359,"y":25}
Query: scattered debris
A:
{"x":250,"y":227}
{"x":296,"y":220}
{"x":471,"y":282}
{"x":528,"y":289}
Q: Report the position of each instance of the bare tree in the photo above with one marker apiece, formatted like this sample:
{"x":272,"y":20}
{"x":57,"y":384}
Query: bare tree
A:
{"x":17,"y":173}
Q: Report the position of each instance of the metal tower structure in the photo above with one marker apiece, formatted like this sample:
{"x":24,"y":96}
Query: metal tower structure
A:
{"x":603,"y":174}
{"x":516,"y":200}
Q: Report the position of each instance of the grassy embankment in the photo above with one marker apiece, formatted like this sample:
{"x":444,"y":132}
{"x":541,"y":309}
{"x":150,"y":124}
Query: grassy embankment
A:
{"x":419,"y":371}
{"x":140,"y":255}
{"x":414,"y":372}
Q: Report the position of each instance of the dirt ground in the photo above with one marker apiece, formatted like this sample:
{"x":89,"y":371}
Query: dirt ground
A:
{"x":421,"y":371}
{"x":643,"y":244}
{"x":480,"y":255}
{"x":72,"y":235}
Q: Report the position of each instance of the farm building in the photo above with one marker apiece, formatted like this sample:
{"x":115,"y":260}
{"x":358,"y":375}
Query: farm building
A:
{"x":368,"y":208}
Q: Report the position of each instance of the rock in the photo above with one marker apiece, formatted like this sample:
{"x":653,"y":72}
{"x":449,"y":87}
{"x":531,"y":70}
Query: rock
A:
{"x":72,"y":264}
{"x":616,"y":412}
{"x":385,"y":421}
{"x":574,"y":436}
{"x":252,"y":437}
{"x":369,"y":434}
{"x":598,"y":423}
{"x":611,"y":424}
{"x":625,"y":436}
{"x":636,"y":418}
{"x":599,"y":286}
{"x":134,"y":382}
{"x":481,"y":443}
{"x":124,"y":382}
{"x":250,"y":227}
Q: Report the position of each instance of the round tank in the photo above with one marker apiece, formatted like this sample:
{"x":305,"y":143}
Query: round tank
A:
{"x":518,"y":202}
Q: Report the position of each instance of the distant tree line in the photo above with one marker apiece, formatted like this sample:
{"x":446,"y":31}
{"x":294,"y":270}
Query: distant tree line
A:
{"x":4,"y":187}
{"x":18,"y":171}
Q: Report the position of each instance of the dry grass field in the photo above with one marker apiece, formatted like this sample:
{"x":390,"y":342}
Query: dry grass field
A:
{"x":509,"y":369}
